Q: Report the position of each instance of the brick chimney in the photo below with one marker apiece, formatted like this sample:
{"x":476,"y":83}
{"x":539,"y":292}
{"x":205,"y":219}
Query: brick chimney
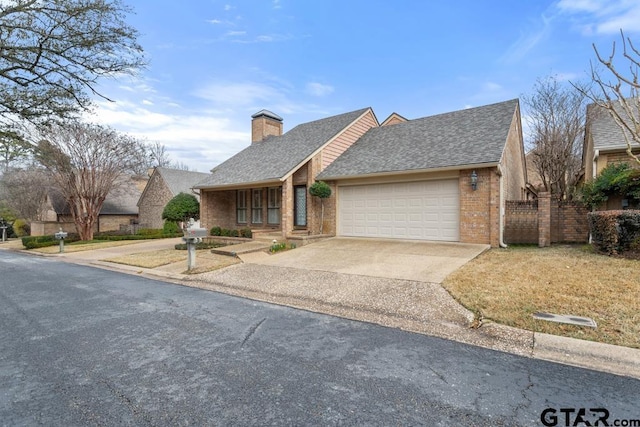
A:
{"x":265,"y":123}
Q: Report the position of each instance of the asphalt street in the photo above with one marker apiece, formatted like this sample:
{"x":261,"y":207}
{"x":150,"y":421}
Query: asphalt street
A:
{"x":85,"y":346}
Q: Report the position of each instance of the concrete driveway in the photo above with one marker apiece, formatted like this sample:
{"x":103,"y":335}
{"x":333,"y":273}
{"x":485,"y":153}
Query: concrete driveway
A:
{"x":389,"y":258}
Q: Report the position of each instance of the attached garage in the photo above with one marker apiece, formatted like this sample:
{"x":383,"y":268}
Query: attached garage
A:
{"x":422,"y":210}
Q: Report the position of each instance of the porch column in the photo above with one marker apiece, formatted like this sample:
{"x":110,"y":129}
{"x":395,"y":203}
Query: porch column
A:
{"x":287,"y":207}
{"x":544,"y":219}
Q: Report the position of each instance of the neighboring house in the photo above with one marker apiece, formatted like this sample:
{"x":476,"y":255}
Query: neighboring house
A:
{"x":408,"y":180}
{"x":604,"y":144}
{"x":119,"y":209}
{"x":163,"y":185}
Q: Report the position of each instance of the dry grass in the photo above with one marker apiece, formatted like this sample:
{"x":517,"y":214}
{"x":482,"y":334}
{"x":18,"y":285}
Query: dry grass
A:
{"x":84,"y":246}
{"x":151,"y":259}
{"x":175,"y":260}
{"x":509,"y":285}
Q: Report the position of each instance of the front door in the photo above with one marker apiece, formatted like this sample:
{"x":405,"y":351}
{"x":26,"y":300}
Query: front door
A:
{"x":300,"y":206}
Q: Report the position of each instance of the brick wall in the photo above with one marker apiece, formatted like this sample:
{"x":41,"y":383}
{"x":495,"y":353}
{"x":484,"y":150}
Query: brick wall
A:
{"x":521,"y":221}
{"x":480,"y":209}
{"x":153,"y":201}
{"x":113,"y":222}
{"x":217,"y":208}
{"x":44,"y":228}
{"x":545,"y":221}
{"x":571,"y":223}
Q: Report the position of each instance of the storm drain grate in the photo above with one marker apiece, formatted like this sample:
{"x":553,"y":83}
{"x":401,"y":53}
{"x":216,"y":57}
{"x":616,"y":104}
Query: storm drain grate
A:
{"x":566,"y":318}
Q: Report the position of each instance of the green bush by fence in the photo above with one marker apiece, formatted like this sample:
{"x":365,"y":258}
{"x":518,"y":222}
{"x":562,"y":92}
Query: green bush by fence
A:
{"x":224,"y":232}
{"x":614,"y":232}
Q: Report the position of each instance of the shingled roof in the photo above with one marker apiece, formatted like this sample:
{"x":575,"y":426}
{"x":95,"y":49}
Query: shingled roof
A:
{"x":276,"y":156}
{"x":603,"y":129}
{"x":474,"y":136}
{"x":180,"y":181}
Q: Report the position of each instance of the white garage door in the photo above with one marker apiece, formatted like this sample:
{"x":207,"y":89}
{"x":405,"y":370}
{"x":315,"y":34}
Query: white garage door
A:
{"x":425,"y":210}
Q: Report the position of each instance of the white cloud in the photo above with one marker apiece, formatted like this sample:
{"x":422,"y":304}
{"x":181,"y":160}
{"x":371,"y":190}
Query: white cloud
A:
{"x":238,"y":94}
{"x":319,"y":89}
{"x":277,"y":4}
{"x":597,"y":17}
{"x":235,"y":33}
{"x":201,"y":140}
{"x":491,"y":87}
{"x":529,"y":40}
{"x":228,"y":7}
{"x":214,"y":21}
{"x":147,"y":102}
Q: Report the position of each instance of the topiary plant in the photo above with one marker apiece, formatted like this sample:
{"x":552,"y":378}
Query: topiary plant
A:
{"x":181,"y":208}
{"x":321,"y":190}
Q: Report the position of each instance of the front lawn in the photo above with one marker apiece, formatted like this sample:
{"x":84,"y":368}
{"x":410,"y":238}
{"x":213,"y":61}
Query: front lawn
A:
{"x":509,"y":285}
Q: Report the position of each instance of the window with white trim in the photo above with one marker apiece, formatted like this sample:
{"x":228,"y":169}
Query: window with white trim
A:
{"x":241,"y":206}
{"x":273,"y":205}
{"x":256,"y":207}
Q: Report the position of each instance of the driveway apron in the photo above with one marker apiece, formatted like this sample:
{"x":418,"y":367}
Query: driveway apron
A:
{"x":389,"y":258}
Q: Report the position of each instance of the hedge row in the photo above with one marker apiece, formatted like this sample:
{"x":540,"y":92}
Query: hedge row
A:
{"x":243,"y":232}
{"x":200,"y":245}
{"x":33,"y":242}
{"x":614,"y":232}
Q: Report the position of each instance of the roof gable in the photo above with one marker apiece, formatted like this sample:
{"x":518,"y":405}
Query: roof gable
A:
{"x":180,"y":181}
{"x":277,"y":156}
{"x":473,"y":136}
{"x":602,"y":128}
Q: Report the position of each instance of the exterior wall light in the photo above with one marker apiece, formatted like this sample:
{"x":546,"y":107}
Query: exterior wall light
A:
{"x":474,"y":180}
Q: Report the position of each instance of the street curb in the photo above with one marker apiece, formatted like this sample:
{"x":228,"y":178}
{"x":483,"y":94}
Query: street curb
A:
{"x":587,"y":354}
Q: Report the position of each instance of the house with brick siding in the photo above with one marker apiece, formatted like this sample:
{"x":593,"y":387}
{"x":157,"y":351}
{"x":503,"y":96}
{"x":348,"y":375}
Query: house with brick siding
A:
{"x":265,"y":186}
{"x":443,"y":178}
{"x":604,"y":144}
{"x":119,"y":208}
{"x":163,"y":185}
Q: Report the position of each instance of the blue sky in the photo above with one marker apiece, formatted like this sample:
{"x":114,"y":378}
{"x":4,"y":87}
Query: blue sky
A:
{"x":214,"y":63}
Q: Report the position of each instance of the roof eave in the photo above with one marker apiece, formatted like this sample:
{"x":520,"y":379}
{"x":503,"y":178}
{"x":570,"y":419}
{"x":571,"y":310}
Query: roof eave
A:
{"x":240,"y":185}
{"x":410,"y":171}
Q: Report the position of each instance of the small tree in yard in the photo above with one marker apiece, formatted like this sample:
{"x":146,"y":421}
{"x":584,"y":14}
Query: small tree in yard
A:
{"x":321,"y":190}
{"x":181,"y":208}
{"x":86,"y":162}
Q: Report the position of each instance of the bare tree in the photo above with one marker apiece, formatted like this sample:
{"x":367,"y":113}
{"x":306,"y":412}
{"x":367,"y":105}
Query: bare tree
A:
{"x":555,"y":114}
{"x":86,"y":161}
{"x":52,"y":54}
{"x":35,"y":183}
{"x":158,"y":155}
{"x":619,"y":95}
{"x":181,"y":166}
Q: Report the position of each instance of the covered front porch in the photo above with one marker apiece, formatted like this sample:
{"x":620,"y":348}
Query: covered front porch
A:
{"x":283,"y":208}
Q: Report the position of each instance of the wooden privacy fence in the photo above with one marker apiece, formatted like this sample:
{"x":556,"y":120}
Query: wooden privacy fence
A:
{"x":545,"y":221}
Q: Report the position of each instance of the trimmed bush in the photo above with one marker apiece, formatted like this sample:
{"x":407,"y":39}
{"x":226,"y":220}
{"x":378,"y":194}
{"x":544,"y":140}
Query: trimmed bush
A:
{"x":33,"y":242}
{"x":614,"y":232}
{"x":171,"y":227}
{"x":150,"y":231}
{"x":201,"y":245}
{"x":182,"y":207}
{"x":225,"y":232}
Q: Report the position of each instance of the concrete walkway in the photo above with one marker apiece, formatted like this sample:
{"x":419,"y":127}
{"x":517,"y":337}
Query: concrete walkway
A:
{"x":368,"y":295}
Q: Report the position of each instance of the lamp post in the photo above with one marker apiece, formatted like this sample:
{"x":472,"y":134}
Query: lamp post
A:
{"x":3,"y":226}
